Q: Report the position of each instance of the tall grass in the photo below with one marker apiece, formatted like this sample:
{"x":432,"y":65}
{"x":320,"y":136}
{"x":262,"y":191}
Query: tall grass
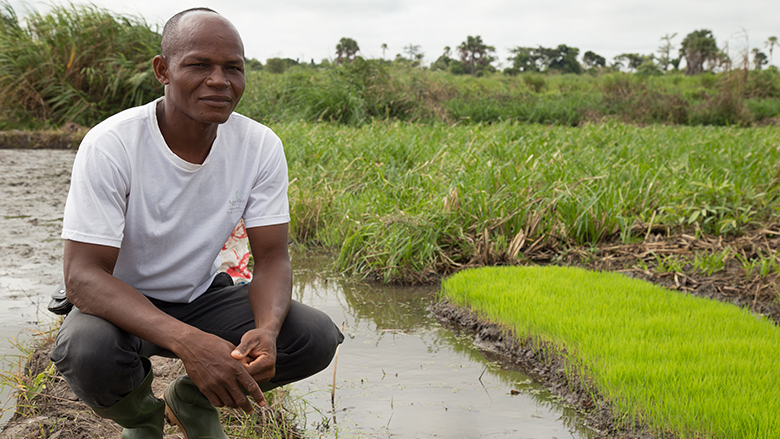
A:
{"x":689,"y":366}
{"x":73,"y":64}
{"x":402,"y":201}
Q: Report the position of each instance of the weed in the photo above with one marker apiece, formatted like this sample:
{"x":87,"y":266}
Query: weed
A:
{"x":711,"y":262}
{"x":409,"y":202}
{"x":669,"y":264}
{"x":74,"y":64}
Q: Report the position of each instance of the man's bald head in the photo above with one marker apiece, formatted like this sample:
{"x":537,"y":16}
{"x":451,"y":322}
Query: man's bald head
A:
{"x":171,"y":37}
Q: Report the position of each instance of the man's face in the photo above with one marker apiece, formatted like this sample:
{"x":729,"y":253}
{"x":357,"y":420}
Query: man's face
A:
{"x":204,"y":76}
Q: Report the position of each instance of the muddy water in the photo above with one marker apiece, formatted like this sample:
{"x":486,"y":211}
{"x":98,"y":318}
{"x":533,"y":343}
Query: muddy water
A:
{"x":399,"y":374}
{"x":33,"y":187}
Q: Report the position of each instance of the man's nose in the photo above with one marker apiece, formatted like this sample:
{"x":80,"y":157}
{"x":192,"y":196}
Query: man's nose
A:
{"x":217,"y":78}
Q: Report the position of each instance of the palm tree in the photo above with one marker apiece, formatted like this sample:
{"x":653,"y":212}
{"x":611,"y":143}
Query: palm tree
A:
{"x":697,"y":48}
{"x":473,"y":51}
{"x":384,"y":49}
{"x":346,"y":50}
{"x":771,"y":42}
{"x":759,"y":59}
{"x":413,"y":50}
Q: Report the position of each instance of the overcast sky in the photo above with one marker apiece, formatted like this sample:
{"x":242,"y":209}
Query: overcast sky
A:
{"x":310,"y":29}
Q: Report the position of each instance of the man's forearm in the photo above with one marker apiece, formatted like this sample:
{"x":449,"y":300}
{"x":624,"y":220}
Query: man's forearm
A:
{"x":105,"y":296}
{"x":270,"y":292}
{"x":92,"y":288}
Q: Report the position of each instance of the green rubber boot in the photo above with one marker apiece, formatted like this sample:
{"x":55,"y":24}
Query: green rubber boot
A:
{"x":190,"y":410}
{"x":139,"y":412}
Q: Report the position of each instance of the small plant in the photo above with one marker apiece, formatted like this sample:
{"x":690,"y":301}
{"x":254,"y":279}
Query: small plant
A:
{"x":711,"y":263}
{"x":28,"y":375}
{"x":274,"y":421}
{"x":748,"y":265}
{"x":766,"y":264}
{"x":669,"y":264}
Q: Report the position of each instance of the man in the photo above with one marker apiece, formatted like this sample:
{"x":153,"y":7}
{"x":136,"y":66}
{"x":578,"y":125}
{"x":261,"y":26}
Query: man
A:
{"x":156,"y":191}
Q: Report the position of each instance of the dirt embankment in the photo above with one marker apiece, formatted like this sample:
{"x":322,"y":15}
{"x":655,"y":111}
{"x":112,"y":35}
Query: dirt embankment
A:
{"x":68,"y":137}
{"x":56,"y":413}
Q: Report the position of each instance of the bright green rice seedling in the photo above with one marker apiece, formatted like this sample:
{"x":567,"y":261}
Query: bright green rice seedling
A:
{"x":681,"y":364}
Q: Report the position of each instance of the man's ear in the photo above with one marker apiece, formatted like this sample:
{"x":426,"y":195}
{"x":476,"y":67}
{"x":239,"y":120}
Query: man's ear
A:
{"x":160,"y":66}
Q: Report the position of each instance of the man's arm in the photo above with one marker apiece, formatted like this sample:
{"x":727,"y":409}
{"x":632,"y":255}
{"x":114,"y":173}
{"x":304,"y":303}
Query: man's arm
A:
{"x":93,"y":289}
{"x":269,"y":295}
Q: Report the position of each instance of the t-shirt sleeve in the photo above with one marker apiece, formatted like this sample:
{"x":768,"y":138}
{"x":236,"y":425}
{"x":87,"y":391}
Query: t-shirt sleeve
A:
{"x":97,"y":199}
{"x":267,"y":204}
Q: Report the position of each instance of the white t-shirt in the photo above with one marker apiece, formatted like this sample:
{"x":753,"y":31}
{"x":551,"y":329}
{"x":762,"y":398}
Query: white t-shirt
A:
{"x":168,"y":217}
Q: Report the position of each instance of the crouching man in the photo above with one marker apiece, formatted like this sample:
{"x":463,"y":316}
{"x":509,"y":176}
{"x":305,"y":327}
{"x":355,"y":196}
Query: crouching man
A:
{"x":156,"y":191}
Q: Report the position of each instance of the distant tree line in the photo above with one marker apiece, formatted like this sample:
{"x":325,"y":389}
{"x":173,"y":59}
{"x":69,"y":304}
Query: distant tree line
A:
{"x":699,"y":51}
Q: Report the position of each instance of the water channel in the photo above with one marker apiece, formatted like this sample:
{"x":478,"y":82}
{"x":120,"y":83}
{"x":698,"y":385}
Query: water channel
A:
{"x":399,"y":373}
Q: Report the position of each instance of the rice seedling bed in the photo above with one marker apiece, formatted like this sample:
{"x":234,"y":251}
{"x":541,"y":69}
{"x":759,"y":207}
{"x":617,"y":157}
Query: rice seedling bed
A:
{"x":680,"y":364}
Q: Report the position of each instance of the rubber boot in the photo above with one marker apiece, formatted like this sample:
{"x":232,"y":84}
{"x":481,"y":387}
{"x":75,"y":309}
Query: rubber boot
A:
{"x":190,"y":410}
{"x":139,"y":412}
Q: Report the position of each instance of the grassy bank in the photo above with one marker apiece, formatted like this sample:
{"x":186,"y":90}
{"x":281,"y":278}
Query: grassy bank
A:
{"x":684,"y":365}
{"x":402,"y":201}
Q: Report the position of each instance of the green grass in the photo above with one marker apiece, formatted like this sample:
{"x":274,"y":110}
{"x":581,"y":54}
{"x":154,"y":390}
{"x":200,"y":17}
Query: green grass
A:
{"x":401,"y":201}
{"x":681,"y":364}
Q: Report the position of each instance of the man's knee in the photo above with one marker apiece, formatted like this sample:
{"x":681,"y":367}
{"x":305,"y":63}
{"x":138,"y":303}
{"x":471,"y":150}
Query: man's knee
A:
{"x":98,"y":360}
{"x":307,"y":343}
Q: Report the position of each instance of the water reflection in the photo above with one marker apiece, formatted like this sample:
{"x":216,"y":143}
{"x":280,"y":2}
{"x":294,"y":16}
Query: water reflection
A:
{"x":401,"y":374}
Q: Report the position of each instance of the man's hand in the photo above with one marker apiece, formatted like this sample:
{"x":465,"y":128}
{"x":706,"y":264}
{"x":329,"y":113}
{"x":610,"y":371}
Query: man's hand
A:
{"x":221,"y":377}
{"x":257,"y":353}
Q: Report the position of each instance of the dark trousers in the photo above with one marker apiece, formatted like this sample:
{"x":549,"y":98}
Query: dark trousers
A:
{"x":102,"y":363}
